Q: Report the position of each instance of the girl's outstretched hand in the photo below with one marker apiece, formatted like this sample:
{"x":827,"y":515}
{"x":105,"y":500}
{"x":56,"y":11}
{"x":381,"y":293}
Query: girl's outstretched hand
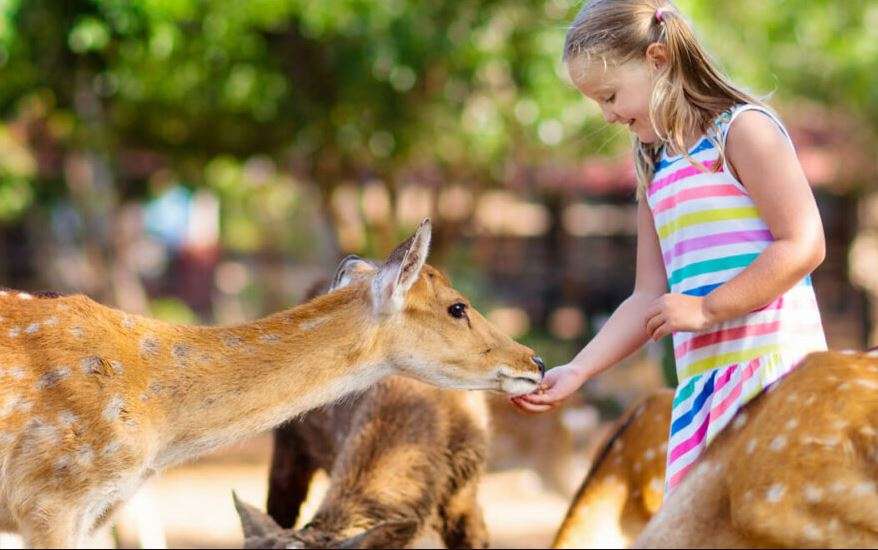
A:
{"x":558,"y":384}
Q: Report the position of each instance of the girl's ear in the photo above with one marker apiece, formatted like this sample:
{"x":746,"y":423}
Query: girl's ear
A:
{"x":657,"y":55}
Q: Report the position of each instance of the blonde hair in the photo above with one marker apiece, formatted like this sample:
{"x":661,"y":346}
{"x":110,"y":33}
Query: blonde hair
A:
{"x":688,"y":94}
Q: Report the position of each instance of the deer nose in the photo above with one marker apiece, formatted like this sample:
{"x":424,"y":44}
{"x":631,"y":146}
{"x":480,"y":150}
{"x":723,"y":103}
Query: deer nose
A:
{"x":539,"y":361}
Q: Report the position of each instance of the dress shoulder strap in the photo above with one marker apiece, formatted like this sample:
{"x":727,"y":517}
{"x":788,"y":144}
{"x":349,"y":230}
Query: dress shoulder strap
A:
{"x":724,"y":121}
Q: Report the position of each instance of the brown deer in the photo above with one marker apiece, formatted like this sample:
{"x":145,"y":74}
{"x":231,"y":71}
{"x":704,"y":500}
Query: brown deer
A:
{"x":624,"y":487}
{"x":797,"y":467}
{"x":93,"y":401}
{"x":401,"y":456}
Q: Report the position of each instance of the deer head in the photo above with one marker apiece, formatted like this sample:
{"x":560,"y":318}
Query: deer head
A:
{"x":430,"y":330}
{"x":261,"y":531}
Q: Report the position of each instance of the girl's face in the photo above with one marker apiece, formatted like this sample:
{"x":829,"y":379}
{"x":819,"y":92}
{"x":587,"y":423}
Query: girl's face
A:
{"x":622,"y":91}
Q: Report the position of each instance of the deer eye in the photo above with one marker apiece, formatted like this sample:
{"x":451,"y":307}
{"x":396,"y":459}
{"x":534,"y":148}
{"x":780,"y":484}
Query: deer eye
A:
{"x":457,"y":310}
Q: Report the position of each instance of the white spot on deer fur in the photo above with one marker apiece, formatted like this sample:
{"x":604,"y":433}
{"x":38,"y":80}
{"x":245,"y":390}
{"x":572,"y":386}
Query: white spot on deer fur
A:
{"x":775,"y":493}
{"x":52,"y":378}
{"x":863,"y":489}
{"x":91,"y":365}
{"x":24,"y":296}
{"x":76,"y":332}
{"x":656,"y":485}
{"x":703,"y":468}
{"x":663,"y":447}
{"x":111,"y":448}
{"x":181,"y":352}
{"x":844,"y":386}
{"x":838,"y":487}
{"x":41,"y":431}
{"x":117,"y":367}
{"x":149,"y":345}
{"x":793,"y":398}
{"x":828,"y":441}
{"x":24,"y":406}
{"x":867,"y":431}
{"x":51,"y":321}
{"x":740,"y":420}
{"x":810,"y":532}
{"x":839,"y":424}
{"x":16,"y":373}
{"x":637,"y":467}
{"x":748,"y":495}
{"x":834,"y":524}
{"x":811,"y":400}
{"x":649,"y":455}
{"x":84,"y":455}
{"x":848,"y":352}
{"x":751,"y":446}
{"x":270,"y":338}
{"x":113,"y":408}
{"x":791,"y":424}
{"x":232,"y":341}
{"x":813,"y":494}
{"x":127,"y":321}
{"x":32,"y":328}
{"x":8,"y":405}
{"x":66,"y":418}
{"x":778,"y":443}
{"x":3,"y":293}
{"x":6,"y":438}
{"x":61,"y":464}
{"x":868,"y":384}
{"x":311,"y":324}
{"x":617,"y":445}
{"x":14,"y":331}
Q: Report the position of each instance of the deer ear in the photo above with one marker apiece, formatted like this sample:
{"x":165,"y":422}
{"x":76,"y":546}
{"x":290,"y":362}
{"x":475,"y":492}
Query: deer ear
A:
{"x":401,"y":270}
{"x":254,"y":523}
{"x":348,"y":269}
{"x":390,"y":534}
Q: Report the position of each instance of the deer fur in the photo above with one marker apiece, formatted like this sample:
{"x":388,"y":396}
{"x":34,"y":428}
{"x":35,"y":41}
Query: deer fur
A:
{"x":624,"y":486}
{"x":401,"y":453}
{"x":402,"y":457}
{"x":798,"y":467}
{"x":93,"y":400}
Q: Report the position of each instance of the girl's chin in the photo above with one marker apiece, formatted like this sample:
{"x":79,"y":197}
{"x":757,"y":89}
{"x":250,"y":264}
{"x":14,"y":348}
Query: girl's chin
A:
{"x":648,"y":138}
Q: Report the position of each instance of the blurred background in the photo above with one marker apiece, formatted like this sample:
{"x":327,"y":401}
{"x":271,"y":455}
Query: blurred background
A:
{"x":205,"y":161}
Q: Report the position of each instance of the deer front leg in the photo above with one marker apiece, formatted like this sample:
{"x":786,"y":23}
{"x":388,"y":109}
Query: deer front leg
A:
{"x":462,"y":524}
{"x":289,"y":478}
{"x":53,"y":527}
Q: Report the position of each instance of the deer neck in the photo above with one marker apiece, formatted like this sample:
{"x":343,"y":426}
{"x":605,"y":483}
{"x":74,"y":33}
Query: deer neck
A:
{"x":258,"y":375}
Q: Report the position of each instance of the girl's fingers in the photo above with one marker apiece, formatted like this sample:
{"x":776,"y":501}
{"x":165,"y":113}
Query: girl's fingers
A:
{"x":538,"y":398}
{"x":529,"y":407}
{"x":653,"y":323}
{"x":661,"y":331}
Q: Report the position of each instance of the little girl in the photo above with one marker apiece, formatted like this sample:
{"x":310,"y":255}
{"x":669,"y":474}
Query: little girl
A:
{"x":727,"y":228}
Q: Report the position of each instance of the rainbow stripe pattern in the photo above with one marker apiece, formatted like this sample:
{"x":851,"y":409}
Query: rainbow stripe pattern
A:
{"x":710,"y":231}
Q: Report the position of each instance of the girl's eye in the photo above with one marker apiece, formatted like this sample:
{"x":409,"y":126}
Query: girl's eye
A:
{"x":611,"y":98}
{"x":457,"y":310}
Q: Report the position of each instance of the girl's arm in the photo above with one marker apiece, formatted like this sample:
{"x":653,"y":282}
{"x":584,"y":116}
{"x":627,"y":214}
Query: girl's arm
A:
{"x":622,"y":334}
{"x":766,"y":164}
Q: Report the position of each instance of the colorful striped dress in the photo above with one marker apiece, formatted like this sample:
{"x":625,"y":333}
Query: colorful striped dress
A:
{"x":710,"y":231}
